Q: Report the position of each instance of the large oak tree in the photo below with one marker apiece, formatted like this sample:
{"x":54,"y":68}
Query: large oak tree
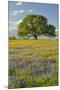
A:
{"x":34,"y":25}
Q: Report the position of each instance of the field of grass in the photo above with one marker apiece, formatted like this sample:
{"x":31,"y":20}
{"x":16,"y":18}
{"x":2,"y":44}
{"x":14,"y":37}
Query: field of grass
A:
{"x":33,"y":63}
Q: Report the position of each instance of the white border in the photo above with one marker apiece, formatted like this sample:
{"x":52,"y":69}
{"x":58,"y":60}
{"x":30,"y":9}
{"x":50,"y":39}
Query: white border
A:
{"x":4,"y":43}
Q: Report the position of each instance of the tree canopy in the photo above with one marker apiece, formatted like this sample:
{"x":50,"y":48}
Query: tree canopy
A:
{"x":34,"y":25}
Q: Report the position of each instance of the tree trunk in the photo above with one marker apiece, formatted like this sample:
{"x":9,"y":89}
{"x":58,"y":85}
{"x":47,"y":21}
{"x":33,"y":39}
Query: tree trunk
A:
{"x":35,"y":37}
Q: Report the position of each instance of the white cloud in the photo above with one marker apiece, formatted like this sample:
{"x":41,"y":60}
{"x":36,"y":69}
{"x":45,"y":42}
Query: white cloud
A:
{"x":19,"y":21}
{"x":17,"y":12}
{"x":30,"y":10}
{"x":56,"y":31}
{"x":12,"y":29}
{"x":11,"y":24}
{"x":18,"y":3}
{"x":21,"y":11}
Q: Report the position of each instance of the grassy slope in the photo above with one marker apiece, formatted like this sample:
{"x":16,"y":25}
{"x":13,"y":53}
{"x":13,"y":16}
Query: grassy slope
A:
{"x":32,"y":52}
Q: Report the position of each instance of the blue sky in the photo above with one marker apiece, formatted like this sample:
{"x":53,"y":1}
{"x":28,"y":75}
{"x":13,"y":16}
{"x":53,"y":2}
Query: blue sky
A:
{"x":18,"y":10}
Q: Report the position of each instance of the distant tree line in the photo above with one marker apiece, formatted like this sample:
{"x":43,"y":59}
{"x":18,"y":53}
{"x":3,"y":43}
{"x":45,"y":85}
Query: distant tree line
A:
{"x":12,"y":38}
